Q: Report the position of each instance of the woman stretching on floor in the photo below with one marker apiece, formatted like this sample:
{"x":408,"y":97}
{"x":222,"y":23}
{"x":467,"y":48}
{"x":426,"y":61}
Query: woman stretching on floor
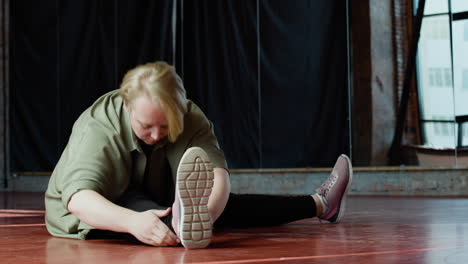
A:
{"x":143,"y":162}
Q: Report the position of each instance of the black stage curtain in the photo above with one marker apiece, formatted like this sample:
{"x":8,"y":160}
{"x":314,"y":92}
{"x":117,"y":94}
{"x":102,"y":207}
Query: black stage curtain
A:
{"x":64,"y":55}
{"x":220,"y":73}
{"x":270,"y":74}
{"x":303,"y":82}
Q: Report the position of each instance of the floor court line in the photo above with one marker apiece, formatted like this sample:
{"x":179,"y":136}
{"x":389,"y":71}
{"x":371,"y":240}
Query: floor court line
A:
{"x":8,"y":215}
{"x":328,"y":256}
{"x":19,"y":211}
{"x":22,"y":225}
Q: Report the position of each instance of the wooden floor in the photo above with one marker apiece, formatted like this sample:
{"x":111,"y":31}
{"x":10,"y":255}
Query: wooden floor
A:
{"x":375,"y":230}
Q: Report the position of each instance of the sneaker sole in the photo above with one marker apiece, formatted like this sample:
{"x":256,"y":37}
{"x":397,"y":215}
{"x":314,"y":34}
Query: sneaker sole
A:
{"x":194,"y":184}
{"x":345,"y":193}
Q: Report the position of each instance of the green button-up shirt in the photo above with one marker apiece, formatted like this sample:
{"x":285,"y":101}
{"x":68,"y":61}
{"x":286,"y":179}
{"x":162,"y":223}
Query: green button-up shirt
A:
{"x":103,"y":153}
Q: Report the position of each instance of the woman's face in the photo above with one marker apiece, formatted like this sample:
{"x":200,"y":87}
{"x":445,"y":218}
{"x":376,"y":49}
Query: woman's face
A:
{"x":148,"y":120}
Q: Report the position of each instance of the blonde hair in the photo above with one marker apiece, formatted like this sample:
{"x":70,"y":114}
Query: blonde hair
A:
{"x":160,"y":82}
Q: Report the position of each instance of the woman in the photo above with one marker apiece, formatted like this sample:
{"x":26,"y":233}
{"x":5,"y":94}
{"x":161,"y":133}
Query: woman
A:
{"x":143,"y":160}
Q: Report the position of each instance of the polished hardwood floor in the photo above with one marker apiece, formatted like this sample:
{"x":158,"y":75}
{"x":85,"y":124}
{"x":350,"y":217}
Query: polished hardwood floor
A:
{"x":375,"y":230}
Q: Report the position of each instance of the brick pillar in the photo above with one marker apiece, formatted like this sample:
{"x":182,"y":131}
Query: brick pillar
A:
{"x":383,"y":80}
{"x":374,"y":93}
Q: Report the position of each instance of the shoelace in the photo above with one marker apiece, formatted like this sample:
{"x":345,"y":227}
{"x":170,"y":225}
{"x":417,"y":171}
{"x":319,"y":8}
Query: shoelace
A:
{"x":328,"y":184}
{"x":325,"y":188}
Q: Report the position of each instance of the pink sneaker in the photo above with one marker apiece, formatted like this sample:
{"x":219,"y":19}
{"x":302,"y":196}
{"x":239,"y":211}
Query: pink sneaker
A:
{"x":190,"y":216}
{"x":334,"y":190}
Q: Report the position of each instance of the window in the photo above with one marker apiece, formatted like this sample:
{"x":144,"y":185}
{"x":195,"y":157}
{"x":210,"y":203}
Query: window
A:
{"x":465,"y":79}
{"x":442,"y":62}
{"x":465,"y":31}
{"x":438,"y":77}
{"x":432,"y":82}
{"x":437,"y":130}
{"x":459,"y":6}
{"x":447,"y":77}
{"x":434,"y":6}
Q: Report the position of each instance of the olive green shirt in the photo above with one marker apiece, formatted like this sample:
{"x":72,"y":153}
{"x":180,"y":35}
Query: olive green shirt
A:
{"x":103,"y":153}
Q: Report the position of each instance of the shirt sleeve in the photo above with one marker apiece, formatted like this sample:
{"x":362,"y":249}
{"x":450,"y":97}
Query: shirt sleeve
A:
{"x":205,"y":138}
{"x":92,"y":162}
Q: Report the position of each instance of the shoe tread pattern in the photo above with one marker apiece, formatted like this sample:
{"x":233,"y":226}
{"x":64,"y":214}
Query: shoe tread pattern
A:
{"x":195,"y":181}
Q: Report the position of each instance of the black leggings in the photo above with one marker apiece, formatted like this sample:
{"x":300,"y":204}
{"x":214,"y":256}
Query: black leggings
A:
{"x":242,"y":210}
{"x":252,"y":210}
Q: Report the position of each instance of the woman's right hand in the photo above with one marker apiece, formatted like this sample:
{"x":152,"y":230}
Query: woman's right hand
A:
{"x":148,"y":228}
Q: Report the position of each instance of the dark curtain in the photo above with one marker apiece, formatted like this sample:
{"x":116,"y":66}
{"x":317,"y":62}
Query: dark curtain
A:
{"x":64,"y":55}
{"x":300,"y":78}
{"x":270,"y":74}
{"x":303,"y":82}
{"x":220,"y":73}
{"x":33,"y":91}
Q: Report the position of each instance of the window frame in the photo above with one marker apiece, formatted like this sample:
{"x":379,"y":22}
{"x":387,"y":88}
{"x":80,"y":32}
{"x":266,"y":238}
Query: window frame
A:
{"x":433,"y":79}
